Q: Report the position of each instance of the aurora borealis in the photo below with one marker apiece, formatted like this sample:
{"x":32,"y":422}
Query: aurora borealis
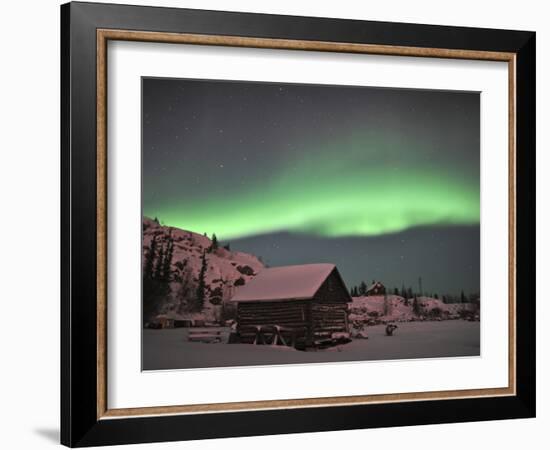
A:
{"x":253,"y":161}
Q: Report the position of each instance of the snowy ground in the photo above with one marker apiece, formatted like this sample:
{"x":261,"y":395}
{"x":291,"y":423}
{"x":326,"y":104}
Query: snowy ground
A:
{"x":169,"y":349}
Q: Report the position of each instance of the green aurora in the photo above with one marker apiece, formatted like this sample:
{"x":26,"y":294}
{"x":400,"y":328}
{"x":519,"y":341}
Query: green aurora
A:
{"x":367,"y":184}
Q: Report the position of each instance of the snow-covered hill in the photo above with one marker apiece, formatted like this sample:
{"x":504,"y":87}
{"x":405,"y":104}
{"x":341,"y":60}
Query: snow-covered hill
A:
{"x":396,"y":308}
{"x":225,"y":269}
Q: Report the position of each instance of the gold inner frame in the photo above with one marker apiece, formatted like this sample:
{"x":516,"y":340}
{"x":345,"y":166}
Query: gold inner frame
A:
{"x":104,"y":35}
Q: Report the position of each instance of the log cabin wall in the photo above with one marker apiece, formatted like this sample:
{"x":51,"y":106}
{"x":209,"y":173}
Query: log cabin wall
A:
{"x":295,"y":314}
{"x":328,"y":318}
{"x":329,"y":309}
{"x":333,"y":290}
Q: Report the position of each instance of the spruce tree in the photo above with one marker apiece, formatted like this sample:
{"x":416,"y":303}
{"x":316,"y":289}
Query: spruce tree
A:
{"x":416,"y":307}
{"x":150,"y":259}
{"x":201,"y":286}
{"x":462,"y":297}
{"x":215,"y":244}
{"x":157,"y":272}
{"x":153,"y":291}
{"x":185,"y":289}
{"x":167,"y":261}
{"x":363,"y":288}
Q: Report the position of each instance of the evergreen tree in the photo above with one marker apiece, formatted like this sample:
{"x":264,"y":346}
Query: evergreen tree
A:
{"x":462,"y":297}
{"x":185,"y":290}
{"x":395,"y":291}
{"x":167,"y":260}
{"x":214,"y":245}
{"x":150,"y":259}
{"x":159,"y":265}
{"x":416,"y":307}
{"x":436,"y":296}
{"x":405,"y":295}
{"x":201,"y":286}
{"x":155,"y":289}
{"x":363,"y":288}
{"x":410,"y":292}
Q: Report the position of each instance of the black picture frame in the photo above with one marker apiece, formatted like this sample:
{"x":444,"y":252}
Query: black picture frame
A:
{"x":80,"y":425}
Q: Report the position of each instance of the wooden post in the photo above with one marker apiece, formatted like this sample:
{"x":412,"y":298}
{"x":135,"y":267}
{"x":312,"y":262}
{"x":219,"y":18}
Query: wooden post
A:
{"x":309,"y":325}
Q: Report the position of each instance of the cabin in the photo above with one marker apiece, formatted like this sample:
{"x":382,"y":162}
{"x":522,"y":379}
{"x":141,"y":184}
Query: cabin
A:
{"x":376,"y":288}
{"x":303,"y":306}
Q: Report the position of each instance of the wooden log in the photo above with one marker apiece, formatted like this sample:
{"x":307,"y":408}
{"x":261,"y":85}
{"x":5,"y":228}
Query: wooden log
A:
{"x":274,"y":317}
{"x":342,"y":328}
{"x":273,"y":306}
{"x":266,"y":314}
{"x":289,"y":325}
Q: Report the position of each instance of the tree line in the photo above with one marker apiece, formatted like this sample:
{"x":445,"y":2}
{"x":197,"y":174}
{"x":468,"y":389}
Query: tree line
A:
{"x":408,"y":293}
{"x":158,"y":275}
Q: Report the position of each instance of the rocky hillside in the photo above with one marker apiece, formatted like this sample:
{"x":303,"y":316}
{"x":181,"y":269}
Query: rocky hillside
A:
{"x":375,"y":309}
{"x":225,"y":269}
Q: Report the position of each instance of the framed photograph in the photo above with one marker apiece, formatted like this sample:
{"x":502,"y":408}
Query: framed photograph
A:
{"x":276,"y":224}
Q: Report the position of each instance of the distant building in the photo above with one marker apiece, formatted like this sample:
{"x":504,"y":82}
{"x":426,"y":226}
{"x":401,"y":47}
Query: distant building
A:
{"x":161,"y":321}
{"x":307,"y":303}
{"x":376,"y":288}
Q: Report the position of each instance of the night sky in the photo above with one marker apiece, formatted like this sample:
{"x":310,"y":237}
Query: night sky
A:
{"x":382,"y":182}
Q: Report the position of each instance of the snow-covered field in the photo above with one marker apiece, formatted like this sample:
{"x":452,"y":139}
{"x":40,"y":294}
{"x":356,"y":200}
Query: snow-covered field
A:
{"x":170,"y":349}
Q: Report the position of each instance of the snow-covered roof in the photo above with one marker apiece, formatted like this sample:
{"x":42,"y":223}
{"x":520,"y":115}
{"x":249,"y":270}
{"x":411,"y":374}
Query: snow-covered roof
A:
{"x":282,"y":283}
{"x":375,"y":285}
